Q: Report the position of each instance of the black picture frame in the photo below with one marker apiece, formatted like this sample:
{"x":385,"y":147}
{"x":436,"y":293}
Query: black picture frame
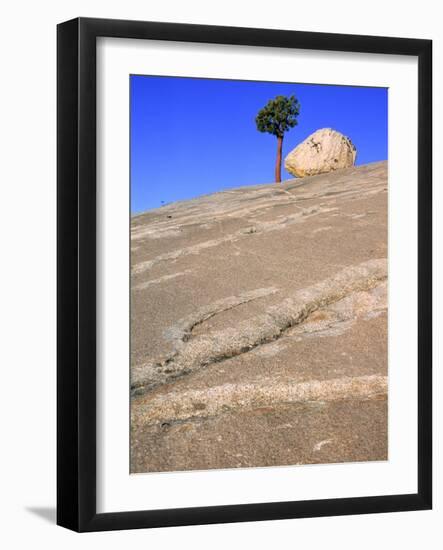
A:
{"x":76,"y":280}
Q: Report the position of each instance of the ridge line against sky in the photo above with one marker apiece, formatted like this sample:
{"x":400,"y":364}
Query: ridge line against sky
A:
{"x":191,"y":137}
{"x":234,"y":189}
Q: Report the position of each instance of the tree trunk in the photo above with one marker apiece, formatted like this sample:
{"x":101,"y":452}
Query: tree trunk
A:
{"x":278,"y":161}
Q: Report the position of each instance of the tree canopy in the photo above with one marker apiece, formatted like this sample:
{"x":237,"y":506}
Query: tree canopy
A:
{"x":278,"y":115}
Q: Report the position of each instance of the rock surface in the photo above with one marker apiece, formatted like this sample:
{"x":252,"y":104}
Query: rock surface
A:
{"x":323,"y":151}
{"x":259,"y":326}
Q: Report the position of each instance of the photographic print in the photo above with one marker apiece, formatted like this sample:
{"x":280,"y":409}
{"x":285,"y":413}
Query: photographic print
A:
{"x":258,"y":234}
{"x":223,"y":291}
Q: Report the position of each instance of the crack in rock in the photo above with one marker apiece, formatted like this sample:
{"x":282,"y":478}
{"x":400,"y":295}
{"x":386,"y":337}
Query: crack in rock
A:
{"x":158,"y":228}
{"x":200,"y":351}
{"x":261,"y":227}
{"x":174,"y":219}
{"x":181,"y":332}
{"x":341,"y":316}
{"x":174,"y":406}
{"x":160,"y":280}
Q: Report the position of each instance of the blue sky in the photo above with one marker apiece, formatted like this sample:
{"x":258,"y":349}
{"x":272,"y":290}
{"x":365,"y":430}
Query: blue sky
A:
{"x":191,"y":136}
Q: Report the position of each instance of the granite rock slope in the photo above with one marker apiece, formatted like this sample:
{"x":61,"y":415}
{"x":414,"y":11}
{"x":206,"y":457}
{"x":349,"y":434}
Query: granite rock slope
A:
{"x":259,"y":325}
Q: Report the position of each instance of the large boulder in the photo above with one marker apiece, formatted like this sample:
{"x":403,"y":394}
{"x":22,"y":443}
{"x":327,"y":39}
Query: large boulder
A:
{"x":323,"y":151}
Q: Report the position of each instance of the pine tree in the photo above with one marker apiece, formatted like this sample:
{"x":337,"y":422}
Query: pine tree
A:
{"x":277,"y":117}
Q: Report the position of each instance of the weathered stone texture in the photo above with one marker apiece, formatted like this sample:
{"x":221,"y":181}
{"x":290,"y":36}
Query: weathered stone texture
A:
{"x":323,"y":151}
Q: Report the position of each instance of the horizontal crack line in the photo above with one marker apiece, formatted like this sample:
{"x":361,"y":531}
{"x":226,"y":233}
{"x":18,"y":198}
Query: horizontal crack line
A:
{"x":181,"y":332}
{"x":262,"y":227}
{"x":194,"y":403}
{"x":205,"y":349}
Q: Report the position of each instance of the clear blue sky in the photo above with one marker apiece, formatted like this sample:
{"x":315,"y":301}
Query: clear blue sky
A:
{"x":191,"y":136}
